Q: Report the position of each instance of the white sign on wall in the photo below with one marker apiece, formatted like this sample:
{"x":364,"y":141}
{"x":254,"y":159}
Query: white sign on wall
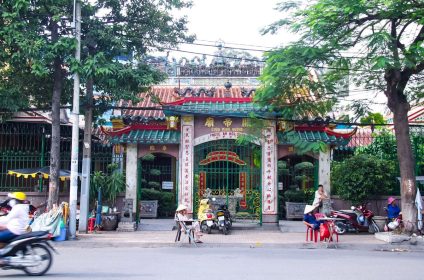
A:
{"x":167,"y":185}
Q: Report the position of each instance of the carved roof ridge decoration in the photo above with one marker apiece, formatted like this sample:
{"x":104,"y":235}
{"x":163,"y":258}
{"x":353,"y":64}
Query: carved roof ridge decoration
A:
{"x":133,"y":127}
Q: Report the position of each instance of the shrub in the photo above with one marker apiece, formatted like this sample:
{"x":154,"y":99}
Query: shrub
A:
{"x":359,"y":177}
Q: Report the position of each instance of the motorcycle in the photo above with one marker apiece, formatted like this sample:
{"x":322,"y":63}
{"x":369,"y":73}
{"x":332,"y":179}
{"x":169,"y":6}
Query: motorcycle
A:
{"x":358,"y":219}
{"x":30,"y":252}
{"x":5,"y":208}
{"x":206,"y":217}
{"x":224,"y":219}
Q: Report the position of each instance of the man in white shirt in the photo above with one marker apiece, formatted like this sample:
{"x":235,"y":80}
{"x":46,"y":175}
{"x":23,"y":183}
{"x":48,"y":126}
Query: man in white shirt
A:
{"x":16,"y":222}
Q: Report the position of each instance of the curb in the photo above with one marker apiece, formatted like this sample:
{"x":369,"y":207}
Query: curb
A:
{"x":310,"y":246}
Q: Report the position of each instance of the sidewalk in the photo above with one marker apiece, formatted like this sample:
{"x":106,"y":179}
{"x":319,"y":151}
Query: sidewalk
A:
{"x":152,"y":236}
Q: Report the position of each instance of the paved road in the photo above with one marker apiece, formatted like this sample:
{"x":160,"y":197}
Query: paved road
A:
{"x":230,"y":263}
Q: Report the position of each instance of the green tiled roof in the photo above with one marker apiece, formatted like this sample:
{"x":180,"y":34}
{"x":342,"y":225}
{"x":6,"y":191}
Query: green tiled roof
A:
{"x":148,"y":137}
{"x":312,"y":136}
{"x":216,"y":108}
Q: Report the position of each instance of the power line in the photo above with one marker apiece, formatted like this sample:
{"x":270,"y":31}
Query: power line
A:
{"x":250,"y":49}
{"x":263,"y":61}
{"x":236,"y":44}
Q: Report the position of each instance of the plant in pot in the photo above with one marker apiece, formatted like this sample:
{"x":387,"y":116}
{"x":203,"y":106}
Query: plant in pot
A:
{"x":106,"y":188}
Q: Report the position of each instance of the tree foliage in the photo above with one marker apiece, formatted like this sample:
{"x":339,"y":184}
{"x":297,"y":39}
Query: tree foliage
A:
{"x":377,"y":44}
{"x":37,"y":54}
{"x":358,"y":178}
{"x":373,"y":118}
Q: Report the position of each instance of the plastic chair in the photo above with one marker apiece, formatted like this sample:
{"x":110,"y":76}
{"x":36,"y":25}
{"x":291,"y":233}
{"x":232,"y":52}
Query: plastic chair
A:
{"x":188,"y":232}
{"x":311,"y":234}
{"x":91,"y":223}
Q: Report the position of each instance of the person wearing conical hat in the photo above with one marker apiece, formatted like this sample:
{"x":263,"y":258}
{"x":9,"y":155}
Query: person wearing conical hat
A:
{"x":309,"y":217}
{"x":181,"y":215}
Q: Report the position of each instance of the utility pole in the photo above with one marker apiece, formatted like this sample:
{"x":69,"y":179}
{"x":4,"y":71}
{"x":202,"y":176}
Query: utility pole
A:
{"x":73,"y":194}
{"x":86,"y":159}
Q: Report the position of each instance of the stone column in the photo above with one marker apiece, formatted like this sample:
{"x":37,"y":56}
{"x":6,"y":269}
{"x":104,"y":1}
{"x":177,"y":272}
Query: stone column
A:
{"x":131,"y":174}
{"x":185,"y":178}
{"x":269,"y":175}
{"x":324,"y":170}
{"x":324,"y":178}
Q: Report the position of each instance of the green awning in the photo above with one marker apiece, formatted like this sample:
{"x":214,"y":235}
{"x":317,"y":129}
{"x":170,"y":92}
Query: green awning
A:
{"x":313,"y":136}
{"x":148,"y":137}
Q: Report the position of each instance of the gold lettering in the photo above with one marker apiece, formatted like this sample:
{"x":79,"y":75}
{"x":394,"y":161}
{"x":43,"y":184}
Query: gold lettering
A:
{"x":209,"y":122}
{"x":245,"y":122}
{"x":152,"y":148}
{"x":227,"y":122}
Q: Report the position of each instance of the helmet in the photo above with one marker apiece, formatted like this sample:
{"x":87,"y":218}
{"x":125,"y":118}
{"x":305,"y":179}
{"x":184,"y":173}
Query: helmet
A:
{"x":17,"y":195}
{"x":390,"y":200}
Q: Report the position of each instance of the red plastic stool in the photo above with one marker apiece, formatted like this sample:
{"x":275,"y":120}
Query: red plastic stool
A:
{"x":91,"y":223}
{"x":313,"y":234}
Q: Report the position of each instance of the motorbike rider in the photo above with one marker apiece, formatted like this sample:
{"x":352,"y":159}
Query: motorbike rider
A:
{"x":393,"y":210}
{"x":16,"y":222}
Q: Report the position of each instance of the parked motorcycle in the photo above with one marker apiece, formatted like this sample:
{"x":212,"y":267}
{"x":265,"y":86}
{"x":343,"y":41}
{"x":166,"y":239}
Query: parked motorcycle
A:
{"x":29,"y":252}
{"x":358,"y":219}
{"x":224,"y":219}
{"x":206,"y":217}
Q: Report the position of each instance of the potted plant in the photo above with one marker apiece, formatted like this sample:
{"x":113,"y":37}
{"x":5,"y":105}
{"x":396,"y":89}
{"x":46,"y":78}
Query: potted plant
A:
{"x":107,"y":187}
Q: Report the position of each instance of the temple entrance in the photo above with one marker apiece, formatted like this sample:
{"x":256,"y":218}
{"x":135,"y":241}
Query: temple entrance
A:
{"x":157,"y":173}
{"x":231,"y":174}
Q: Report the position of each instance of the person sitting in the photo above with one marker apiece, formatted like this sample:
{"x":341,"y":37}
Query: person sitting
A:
{"x":309,"y":217}
{"x":181,"y":216}
{"x":16,"y":222}
{"x":393,"y":210}
{"x":320,"y":195}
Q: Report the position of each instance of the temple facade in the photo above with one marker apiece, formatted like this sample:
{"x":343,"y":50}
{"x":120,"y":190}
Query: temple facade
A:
{"x":192,"y":124}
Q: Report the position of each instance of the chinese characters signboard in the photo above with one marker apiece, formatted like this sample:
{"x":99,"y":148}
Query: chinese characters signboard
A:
{"x":186,"y":168}
{"x":269,"y":191}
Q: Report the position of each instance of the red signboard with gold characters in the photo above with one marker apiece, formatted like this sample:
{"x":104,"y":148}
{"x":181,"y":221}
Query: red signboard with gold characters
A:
{"x":202,"y":183}
{"x":222,"y":156}
{"x":242,"y":186}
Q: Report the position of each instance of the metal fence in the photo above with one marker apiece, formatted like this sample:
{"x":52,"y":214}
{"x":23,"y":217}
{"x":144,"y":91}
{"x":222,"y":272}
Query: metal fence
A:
{"x":27,"y":145}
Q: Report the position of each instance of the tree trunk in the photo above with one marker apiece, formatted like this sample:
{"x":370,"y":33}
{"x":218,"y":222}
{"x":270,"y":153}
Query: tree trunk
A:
{"x":55,"y":137}
{"x":400,"y":107}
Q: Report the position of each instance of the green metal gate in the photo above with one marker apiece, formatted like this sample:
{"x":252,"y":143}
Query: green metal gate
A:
{"x":231,"y":174}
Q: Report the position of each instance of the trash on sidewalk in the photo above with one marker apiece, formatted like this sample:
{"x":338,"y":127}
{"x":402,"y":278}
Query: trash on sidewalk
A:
{"x":391,"y":237}
{"x":53,"y":221}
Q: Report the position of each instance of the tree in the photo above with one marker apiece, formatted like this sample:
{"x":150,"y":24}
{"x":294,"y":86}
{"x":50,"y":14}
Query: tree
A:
{"x":387,"y":40}
{"x":373,"y":118}
{"x":37,"y":40}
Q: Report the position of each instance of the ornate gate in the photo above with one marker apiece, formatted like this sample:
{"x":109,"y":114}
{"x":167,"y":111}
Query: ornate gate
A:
{"x":231,"y":174}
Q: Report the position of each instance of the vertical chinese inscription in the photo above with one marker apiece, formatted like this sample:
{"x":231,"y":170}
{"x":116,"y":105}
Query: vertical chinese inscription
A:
{"x":186,"y":171}
{"x":269,"y":185}
{"x":242,"y":186}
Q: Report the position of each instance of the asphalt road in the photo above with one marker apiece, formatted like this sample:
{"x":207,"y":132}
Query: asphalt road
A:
{"x":229,"y":263}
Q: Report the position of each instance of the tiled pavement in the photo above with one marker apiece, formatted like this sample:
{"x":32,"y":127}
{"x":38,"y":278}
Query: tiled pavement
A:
{"x":159,"y":234}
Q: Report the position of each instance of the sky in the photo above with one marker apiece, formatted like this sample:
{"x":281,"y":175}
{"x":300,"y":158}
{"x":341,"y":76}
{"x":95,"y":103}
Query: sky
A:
{"x":232,"y":21}
{"x":238,"y":23}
